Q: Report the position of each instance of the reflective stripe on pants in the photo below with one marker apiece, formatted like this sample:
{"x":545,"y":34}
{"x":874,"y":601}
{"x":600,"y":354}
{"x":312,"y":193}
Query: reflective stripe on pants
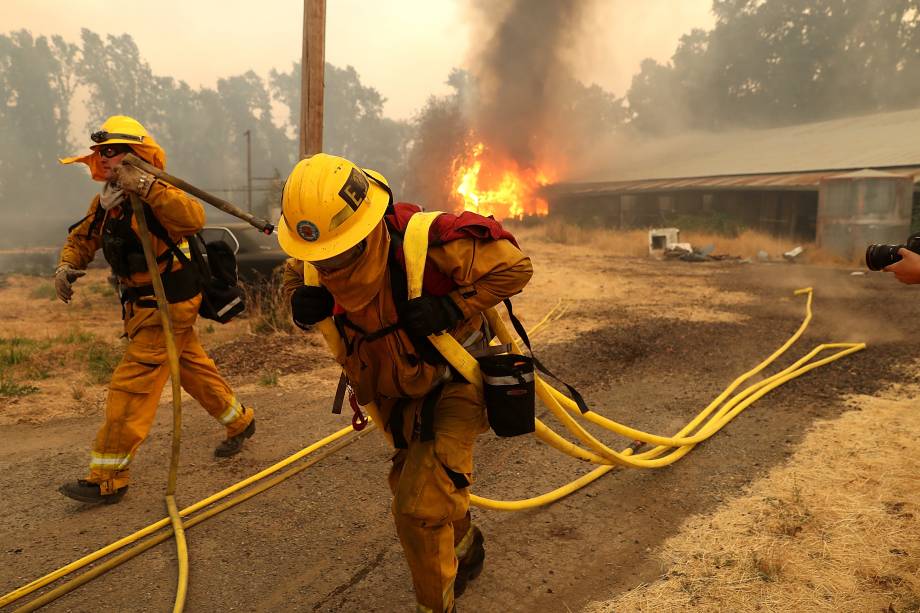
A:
{"x":134,"y":394}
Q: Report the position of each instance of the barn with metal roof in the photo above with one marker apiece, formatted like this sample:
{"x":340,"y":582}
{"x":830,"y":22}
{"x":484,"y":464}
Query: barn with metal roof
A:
{"x":842,"y":183}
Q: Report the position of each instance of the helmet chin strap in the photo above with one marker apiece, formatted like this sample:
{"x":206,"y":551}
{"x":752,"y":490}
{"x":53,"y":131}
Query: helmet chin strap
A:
{"x":383,"y":185}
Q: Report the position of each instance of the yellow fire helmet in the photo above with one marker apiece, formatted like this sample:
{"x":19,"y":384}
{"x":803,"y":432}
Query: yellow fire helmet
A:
{"x":121,"y":129}
{"x":328,"y":206}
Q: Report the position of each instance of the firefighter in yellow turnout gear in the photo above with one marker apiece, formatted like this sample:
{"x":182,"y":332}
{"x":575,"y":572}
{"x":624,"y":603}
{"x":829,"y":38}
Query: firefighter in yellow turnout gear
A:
{"x":333,"y":217}
{"x":136,"y":385}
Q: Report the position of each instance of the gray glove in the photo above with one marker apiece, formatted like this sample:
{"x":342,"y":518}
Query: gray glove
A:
{"x":64,"y":277}
{"x":132,"y":179}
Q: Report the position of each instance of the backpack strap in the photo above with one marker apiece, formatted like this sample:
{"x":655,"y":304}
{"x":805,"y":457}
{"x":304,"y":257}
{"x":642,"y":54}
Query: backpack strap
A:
{"x":519,"y":328}
{"x":195,"y":260}
{"x":98,"y":215}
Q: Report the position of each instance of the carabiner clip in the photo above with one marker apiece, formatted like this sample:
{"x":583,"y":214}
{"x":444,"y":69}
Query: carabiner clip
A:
{"x":359,"y":419}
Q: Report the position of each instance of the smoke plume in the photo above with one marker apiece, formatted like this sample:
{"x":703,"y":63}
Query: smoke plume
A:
{"x":518,"y":113}
{"x":523,"y":72}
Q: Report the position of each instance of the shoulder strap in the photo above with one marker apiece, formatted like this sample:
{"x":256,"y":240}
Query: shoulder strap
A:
{"x":78,"y":222}
{"x":519,"y":328}
{"x":98,"y":214}
{"x":399,"y":288}
{"x":196,"y":262}
{"x":416,"y":238}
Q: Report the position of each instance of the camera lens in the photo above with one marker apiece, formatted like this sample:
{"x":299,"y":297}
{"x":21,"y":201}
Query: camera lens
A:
{"x":880,"y":256}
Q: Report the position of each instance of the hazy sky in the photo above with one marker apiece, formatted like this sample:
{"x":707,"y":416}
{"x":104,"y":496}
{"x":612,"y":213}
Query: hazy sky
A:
{"x":404,"y":48}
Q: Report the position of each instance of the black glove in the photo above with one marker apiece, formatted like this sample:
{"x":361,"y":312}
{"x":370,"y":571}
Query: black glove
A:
{"x":310,"y":305}
{"x":428,"y":315}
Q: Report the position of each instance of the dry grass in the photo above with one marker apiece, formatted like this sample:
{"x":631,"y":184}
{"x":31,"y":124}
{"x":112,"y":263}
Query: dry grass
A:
{"x":25,"y":361}
{"x":835,"y":529}
{"x":267,"y":310}
{"x":615,"y":242}
{"x":634,"y":243}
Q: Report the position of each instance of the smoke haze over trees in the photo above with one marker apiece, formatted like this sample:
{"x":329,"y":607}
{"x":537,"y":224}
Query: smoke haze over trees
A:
{"x":202,"y":129}
{"x":775,"y":62}
{"x":764,"y":63}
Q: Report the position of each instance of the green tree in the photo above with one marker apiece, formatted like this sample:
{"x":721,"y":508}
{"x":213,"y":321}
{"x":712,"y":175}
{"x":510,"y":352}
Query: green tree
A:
{"x":441,"y":137}
{"x":247,"y":104}
{"x":201,"y":129}
{"x":119,"y":81}
{"x":36,"y":85}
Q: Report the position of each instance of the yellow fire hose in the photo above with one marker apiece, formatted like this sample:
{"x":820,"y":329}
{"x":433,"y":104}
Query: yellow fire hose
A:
{"x":197,"y":519}
{"x":415,"y":248}
{"x":41,"y":582}
{"x":677,"y":446}
{"x":173,"y":358}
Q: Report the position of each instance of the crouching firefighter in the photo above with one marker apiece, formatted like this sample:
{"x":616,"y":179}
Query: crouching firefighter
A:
{"x":342,"y":220}
{"x":138,"y":380}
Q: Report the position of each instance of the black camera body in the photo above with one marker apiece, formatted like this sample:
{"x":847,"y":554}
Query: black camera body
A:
{"x":880,"y":256}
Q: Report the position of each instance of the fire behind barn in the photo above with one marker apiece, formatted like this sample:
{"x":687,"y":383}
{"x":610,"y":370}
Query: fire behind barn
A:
{"x":841,"y":183}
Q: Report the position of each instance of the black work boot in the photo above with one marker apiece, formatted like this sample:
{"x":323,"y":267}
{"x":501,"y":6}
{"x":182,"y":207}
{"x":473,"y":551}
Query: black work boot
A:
{"x":234,"y":444}
{"x":469,"y":565}
{"x":85,"y":491}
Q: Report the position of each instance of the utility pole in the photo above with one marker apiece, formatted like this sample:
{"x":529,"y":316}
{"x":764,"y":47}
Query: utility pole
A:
{"x":312,"y":68}
{"x":248,"y":170}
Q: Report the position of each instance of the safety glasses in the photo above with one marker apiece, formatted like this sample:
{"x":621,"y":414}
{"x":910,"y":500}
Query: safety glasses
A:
{"x":110,"y":151}
{"x":100,"y":136}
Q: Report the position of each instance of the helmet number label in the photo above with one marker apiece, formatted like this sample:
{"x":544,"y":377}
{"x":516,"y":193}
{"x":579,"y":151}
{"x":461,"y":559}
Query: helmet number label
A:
{"x":355,"y":189}
{"x":307,"y":230}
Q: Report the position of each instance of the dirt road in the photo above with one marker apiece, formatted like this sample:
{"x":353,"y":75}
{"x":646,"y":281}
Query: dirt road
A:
{"x":648,"y":343}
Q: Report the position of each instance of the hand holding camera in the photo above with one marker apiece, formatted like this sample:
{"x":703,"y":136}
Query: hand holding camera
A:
{"x":902,"y":260}
{"x":907,"y":269}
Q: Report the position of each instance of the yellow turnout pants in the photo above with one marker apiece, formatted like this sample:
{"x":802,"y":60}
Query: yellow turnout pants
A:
{"x":138,"y":381}
{"x":430,"y":484}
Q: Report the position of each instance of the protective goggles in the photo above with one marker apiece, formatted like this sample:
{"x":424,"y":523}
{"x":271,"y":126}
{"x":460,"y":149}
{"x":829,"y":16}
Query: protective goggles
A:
{"x":110,"y":151}
{"x":100,"y":136}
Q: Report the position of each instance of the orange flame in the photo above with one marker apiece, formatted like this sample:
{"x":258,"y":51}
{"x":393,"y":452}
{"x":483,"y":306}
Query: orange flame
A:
{"x":492,"y":185}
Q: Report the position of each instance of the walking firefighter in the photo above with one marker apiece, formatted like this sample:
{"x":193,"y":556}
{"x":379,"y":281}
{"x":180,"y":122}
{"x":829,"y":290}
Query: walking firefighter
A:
{"x":342,"y":219}
{"x":138,"y":380}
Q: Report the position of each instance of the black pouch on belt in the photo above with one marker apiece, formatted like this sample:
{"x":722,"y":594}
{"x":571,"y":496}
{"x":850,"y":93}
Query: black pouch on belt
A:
{"x":508,"y":387}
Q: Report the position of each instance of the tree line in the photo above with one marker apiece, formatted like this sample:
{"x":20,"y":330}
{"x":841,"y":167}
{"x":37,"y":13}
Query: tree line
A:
{"x":202,"y":129}
{"x":775,"y":62}
{"x":764,"y":63}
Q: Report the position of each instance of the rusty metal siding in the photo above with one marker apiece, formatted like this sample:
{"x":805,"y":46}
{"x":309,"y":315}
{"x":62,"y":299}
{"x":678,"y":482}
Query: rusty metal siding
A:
{"x":861,"y":208}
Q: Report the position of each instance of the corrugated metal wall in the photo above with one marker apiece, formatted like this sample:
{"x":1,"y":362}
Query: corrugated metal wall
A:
{"x":857,"y":209}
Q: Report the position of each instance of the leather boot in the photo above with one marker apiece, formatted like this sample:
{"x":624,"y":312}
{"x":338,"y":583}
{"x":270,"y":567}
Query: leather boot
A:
{"x":88,"y":492}
{"x":234,"y":444}
{"x":470,"y":563}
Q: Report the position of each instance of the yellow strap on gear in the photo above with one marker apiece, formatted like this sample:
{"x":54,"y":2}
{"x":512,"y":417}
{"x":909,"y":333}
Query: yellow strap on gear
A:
{"x":415,"y":251}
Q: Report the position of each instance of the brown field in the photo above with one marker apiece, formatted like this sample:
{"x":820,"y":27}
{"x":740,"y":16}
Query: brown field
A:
{"x":808,"y":501}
